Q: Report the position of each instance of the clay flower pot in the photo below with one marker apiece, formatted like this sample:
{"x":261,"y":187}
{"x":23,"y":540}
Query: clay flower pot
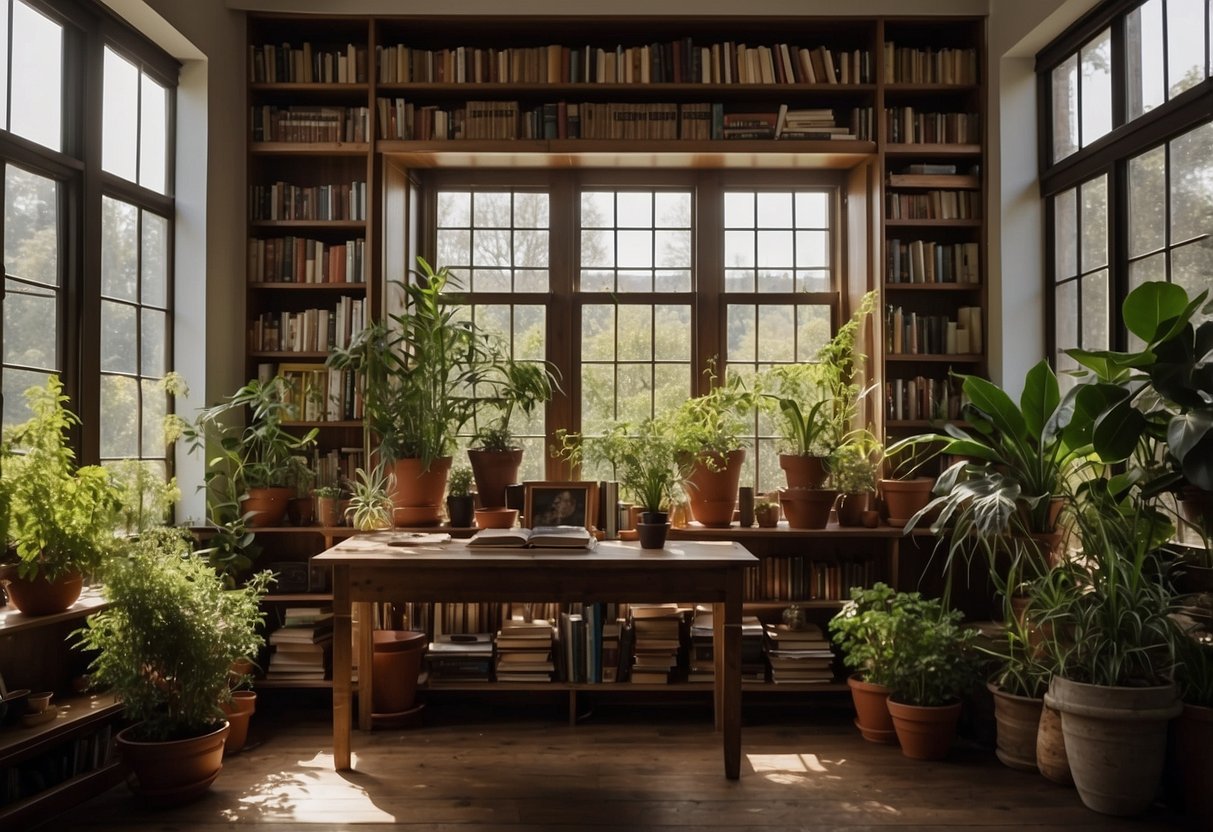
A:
{"x":268,"y":505}
{"x":807,"y":508}
{"x":418,"y":492}
{"x":172,"y":773}
{"x":496,"y":518}
{"x":803,"y":471}
{"x":872,"y":711}
{"x":38,"y":596}
{"x":652,"y":535}
{"x":712,"y":488}
{"x":925,"y":733}
{"x":239,"y":711}
{"x":905,"y":498}
{"x":493,"y":471}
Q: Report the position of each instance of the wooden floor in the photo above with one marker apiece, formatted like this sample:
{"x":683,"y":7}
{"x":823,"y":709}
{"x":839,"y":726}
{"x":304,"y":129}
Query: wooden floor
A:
{"x":624,"y":766}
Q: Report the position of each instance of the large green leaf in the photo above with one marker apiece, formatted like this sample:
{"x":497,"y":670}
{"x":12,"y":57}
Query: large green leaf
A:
{"x":1111,"y":366}
{"x":1039,"y":398}
{"x":1152,"y":304}
{"x":973,"y":448}
{"x":997,"y":406}
{"x":1090,"y":402}
{"x":1187,"y":430}
{"x":1117,"y":432}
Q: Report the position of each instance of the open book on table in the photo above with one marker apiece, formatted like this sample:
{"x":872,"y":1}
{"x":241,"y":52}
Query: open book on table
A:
{"x":540,"y":537}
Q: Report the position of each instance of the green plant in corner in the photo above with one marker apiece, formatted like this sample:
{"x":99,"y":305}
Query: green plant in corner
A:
{"x":934,"y":662}
{"x":371,"y":504}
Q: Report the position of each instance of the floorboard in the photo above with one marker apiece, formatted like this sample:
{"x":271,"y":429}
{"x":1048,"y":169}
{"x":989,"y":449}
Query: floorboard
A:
{"x":624,"y":766}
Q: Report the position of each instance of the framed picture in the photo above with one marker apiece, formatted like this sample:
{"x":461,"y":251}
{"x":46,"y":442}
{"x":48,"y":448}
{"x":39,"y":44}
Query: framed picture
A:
{"x":561,"y":504}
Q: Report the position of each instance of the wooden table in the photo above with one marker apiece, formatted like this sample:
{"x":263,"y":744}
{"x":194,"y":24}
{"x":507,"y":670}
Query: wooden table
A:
{"x":370,"y":568}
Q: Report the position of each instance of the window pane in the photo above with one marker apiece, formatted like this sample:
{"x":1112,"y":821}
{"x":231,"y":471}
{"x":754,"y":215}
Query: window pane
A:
{"x":153,"y":340}
{"x":119,"y":345}
{"x":1146,"y":86}
{"x":530,"y":332}
{"x":1095,"y":311}
{"x":597,"y":399}
{"x":119,"y":115}
{"x":775,"y":210}
{"x":812,"y":210}
{"x":1097,"y":87}
{"x":635,"y":333}
{"x":15,"y":383}
{"x":37,"y":97}
{"x":1185,"y":45}
{"x":1065,"y":234}
{"x":1191,"y":175}
{"x":31,"y":226}
{"x":597,"y":209}
{"x":153,"y":136}
{"x":1065,"y":319}
{"x":454,"y":247}
{"x":155,"y":406}
{"x":29,"y":325}
{"x":1147,"y":202}
{"x":1065,"y":108}
{"x":634,"y":210}
{"x":776,"y":334}
{"x":3,"y":69}
{"x":454,"y":209}
{"x":119,"y":416}
{"x":813,"y":329}
{"x":1141,"y":271}
{"x":673,"y":210}
{"x":1095,"y":223}
{"x":597,"y":332}
{"x":742,"y":334}
{"x":739,"y":210}
{"x":491,"y":209}
{"x":119,"y":255}
{"x":1192,"y":265}
{"x":530,"y":210}
{"x":154,"y":288}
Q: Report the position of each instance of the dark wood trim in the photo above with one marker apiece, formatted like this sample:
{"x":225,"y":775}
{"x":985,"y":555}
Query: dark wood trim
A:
{"x":1081,"y":31}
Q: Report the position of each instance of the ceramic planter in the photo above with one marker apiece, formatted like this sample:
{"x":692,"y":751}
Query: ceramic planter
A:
{"x":239,"y":711}
{"x":807,"y":508}
{"x":767,"y":516}
{"x":328,"y":511}
{"x":267,"y":505}
{"x":38,"y":596}
{"x":713,"y":493}
{"x":851,"y":508}
{"x":493,"y":471}
{"x":1116,"y":741}
{"x":652,"y":535}
{"x":461,"y":511}
{"x":496,"y":518}
{"x":925,"y":733}
{"x":1051,"y":760}
{"x":418,"y":492}
{"x":872,"y":711}
{"x":176,"y":772}
{"x":397,"y":662}
{"x":905,"y":498}
{"x":1018,"y":721}
{"x":803,"y":471}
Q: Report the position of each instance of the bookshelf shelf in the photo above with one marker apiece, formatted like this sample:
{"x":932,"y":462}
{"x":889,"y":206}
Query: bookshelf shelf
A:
{"x":623,"y":91}
{"x":903,"y":223}
{"x":940,"y":358}
{"x":12,"y":621}
{"x":894,"y":149}
{"x":917,"y":180}
{"x":932,"y":287}
{"x":331,"y":225}
{"x":310,"y":88}
{"x":352,"y":149}
{"x":339,"y":288}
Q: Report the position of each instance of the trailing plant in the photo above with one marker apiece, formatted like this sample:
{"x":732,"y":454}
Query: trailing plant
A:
{"x":459,"y":483}
{"x":645,"y":459}
{"x":712,"y":423}
{"x":371,"y":505}
{"x":60,"y":518}
{"x":419,"y":370}
{"x":169,"y":635}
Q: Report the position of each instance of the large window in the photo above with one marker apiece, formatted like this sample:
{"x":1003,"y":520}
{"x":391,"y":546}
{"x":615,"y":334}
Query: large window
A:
{"x":87,"y":219}
{"x":633,"y":286}
{"x":1129,"y":178}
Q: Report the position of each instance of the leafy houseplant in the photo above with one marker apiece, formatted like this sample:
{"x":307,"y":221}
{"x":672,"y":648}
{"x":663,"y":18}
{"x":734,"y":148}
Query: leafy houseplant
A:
{"x":460,"y":502}
{"x":60,"y":517}
{"x":165,"y":645}
{"x":418,"y":373}
{"x":862,"y":629}
{"x":854,"y":466}
{"x":371,"y":503}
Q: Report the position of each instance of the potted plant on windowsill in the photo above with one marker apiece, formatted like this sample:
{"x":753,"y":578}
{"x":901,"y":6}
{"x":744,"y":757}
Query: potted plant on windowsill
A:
{"x":706,"y":433}
{"x":418,"y":373}
{"x":460,"y":502}
{"x":862,"y":629}
{"x":513,"y":387}
{"x":165,"y":645}
{"x":59,"y":519}
{"x":854,"y":466}
{"x":329,"y":511}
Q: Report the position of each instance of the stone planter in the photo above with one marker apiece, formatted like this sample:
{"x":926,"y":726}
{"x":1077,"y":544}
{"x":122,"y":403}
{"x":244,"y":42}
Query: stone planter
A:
{"x":1051,"y":760}
{"x":1018,"y":721}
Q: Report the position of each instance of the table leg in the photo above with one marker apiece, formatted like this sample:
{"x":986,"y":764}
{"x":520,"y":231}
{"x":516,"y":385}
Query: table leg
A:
{"x":342,"y":693}
{"x":366,"y":660}
{"x":729,"y":682}
{"x":718,"y":664}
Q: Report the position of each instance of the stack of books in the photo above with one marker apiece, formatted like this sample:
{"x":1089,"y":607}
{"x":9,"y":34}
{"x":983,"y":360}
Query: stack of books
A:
{"x":524,"y":650}
{"x":301,"y":645}
{"x":658,"y":633}
{"x":460,"y":657}
{"x":703,"y":667}
{"x":800,"y":655}
{"x":815,"y":124}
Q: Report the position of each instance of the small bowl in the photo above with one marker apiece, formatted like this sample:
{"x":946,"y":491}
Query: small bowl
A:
{"x":39,"y":702}
{"x":496,"y":518}
{"x":29,"y":720}
{"x":16,"y":702}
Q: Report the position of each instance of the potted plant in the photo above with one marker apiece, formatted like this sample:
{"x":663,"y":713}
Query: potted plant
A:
{"x":766,"y":513}
{"x":514,"y":386}
{"x":816,"y":402}
{"x":862,"y":629}
{"x":904,"y":490}
{"x":256,"y":466}
{"x":164,"y":645}
{"x":418,"y":373}
{"x":1193,"y":735}
{"x":60,"y":518}
{"x":460,"y":502}
{"x":371,"y":507}
{"x":1018,"y":688}
{"x":329,"y":511}
{"x":706,"y":432}
{"x":1113,"y":644}
{"x":854,"y":466}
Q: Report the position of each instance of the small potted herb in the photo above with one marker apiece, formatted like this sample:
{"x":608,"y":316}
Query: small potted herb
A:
{"x":460,"y":501}
{"x":861,"y":628}
{"x":854,"y":466}
{"x":766,"y":512}
{"x":328,"y":505}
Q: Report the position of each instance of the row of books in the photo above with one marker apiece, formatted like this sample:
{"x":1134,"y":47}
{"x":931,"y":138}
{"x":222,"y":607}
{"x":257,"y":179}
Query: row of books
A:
{"x":904,"y":125}
{"x":399,"y":119}
{"x":934,"y":205}
{"x":283,"y":63}
{"x":702,"y":662}
{"x":84,"y":753}
{"x":323,"y":395}
{"x":301,"y":647}
{"x":304,"y":260}
{"x":923,"y":398}
{"x":308,"y":330}
{"x":284,"y":201}
{"x":927,"y":261}
{"x":676,"y":62}
{"x":909,"y":65}
{"x":299,"y":123}
{"x":916,"y":333}
{"x":807,"y":578}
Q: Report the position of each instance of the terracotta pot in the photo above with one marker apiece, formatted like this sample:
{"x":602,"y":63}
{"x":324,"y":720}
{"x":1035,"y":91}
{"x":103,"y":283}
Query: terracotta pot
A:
{"x":267,"y":505}
{"x":38,"y":596}
{"x":851,"y":508}
{"x":925,"y":733}
{"x":493,"y":471}
{"x":1116,"y":741}
{"x":397,"y":662}
{"x":1018,"y":721}
{"x":803,"y":471}
{"x":652,"y":535}
{"x":328,"y":511}
{"x":768,"y":517}
{"x":905,"y":498}
{"x":301,"y":511}
{"x":713,"y":493}
{"x":496,"y":518}
{"x":807,"y":508}
{"x":1051,"y":760}
{"x":1193,"y":740}
{"x":176,"y":772}
{"x":461,"y":511}
{"x":239,"y":711}
{"x":872,"y":711}
{"x":418,"y":493}
{"x":1196,"y":506}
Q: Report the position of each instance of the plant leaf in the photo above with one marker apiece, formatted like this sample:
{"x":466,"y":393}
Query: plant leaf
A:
{"x":1117,"y":432}
{"x":1150,"y":305}
{"x":1039,"y":398}
{"x":996,"y":405}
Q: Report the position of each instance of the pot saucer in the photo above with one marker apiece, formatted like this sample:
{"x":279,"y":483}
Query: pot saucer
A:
{"x":399,"y":719}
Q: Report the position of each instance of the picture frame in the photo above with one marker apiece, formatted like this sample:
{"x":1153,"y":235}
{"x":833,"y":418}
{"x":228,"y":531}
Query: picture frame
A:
{"x":556,"y":503}
{"x":292,"y":576}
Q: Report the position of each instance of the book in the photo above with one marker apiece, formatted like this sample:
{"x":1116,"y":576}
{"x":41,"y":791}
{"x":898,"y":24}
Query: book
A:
{"x":553,"y":537}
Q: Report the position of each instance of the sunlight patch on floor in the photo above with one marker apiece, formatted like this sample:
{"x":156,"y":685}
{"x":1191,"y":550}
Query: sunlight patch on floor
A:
{"x":309,"y":792}
{"x":790,"y":769}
